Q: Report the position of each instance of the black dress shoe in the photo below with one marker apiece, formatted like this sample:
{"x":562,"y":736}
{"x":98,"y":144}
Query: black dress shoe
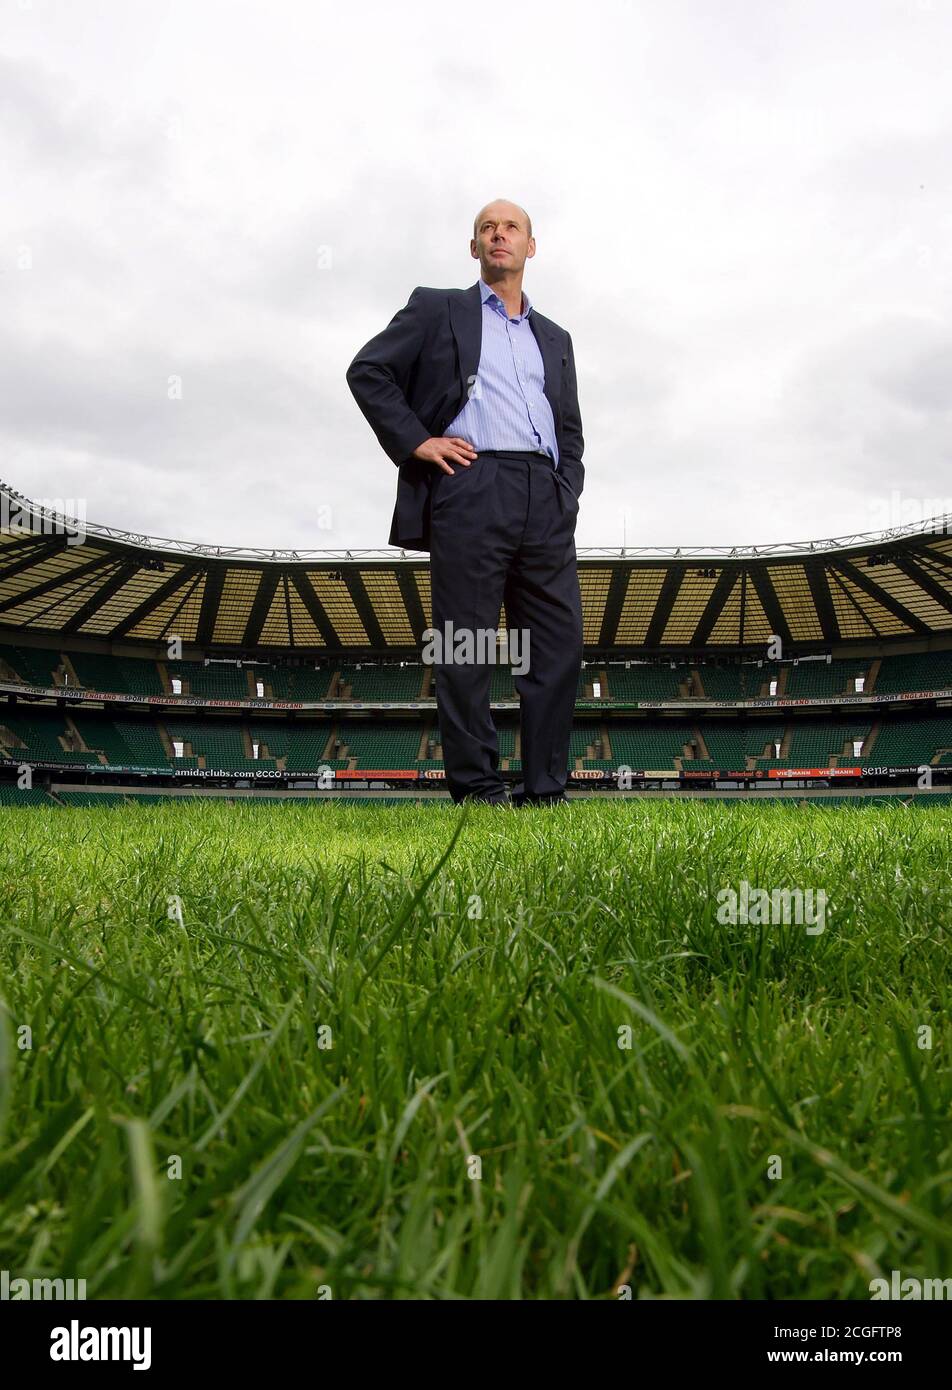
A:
{"x":484,"y":800}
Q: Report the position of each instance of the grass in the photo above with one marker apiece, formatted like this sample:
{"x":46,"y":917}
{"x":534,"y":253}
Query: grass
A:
{"x":476,"y":974}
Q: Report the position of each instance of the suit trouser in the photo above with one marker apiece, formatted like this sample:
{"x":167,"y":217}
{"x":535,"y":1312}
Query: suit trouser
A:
{"x":503,"y":531}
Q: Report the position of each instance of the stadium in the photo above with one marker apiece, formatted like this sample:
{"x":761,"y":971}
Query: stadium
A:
{"x":133,"y":666}
{"x":280,"y":1021}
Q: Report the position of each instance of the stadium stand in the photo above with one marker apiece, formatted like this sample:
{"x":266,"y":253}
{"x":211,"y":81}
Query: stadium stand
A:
{"x":642,"y":746}
{"x":919,"y":671}
{"x":729,"y":682}
{"x":912,"y":742}
{"x":215,"y":744}
{"x":32,"y":665}
{"x":645,"y":682}
{"x":40,"y":735}
{"x":659,"y":626}
{"x":100,"y":735}
{"x":506,"y":738}
{"x":817,"y":679}
{"x":119,"y":674}
{"x":379,"y":745}
{"x":734,"y":748}
{"x":295,"y":682}
{"x":585,"y":744}
{"x":589,"y":676}
{"x":816,"y":744}
{"x":25,"y":796}
{"x":502,"y":686}
{"x":143,"y":741}
{"x":218,"y":680}
{"x":381,"y":682}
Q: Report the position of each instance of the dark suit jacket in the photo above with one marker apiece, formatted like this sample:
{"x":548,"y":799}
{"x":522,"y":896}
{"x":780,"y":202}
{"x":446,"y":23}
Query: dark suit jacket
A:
{"x":412,"y":379}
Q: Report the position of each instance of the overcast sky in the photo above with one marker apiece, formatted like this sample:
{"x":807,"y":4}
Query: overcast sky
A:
{"x":742,"y":210}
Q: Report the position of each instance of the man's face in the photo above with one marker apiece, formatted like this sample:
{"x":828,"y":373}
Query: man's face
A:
{"x":502,"y":240}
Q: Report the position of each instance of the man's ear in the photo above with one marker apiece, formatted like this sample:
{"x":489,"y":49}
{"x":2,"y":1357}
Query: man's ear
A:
{"x":530,"y":249}
{"x":472,"y":250}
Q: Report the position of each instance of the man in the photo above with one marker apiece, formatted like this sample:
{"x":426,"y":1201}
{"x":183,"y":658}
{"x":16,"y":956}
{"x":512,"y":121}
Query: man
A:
{"x":472,"y":393}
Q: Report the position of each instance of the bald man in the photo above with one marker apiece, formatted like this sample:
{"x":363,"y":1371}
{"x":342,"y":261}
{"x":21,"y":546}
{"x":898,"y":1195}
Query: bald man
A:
{"x":472,"y":394}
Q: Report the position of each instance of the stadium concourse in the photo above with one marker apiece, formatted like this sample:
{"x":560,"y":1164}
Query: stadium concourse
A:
{"x":140,"y":667}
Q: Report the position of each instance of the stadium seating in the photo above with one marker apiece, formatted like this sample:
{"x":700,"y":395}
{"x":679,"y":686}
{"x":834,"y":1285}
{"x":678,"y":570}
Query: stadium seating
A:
{"x":816,"y":744}
{"x":217,"y":681}
{"x":295,"y":682}
{"x":300,"y":746}
{"x":645,"y":682}
{"x":813,"y":745}
{"x":381,"y":682}
{"x":730,"y":682}
{"x":143,"y":741}
{"x":730,"y":746}
{"x":27,"y":796}
{"x":597,"y":741}
{"x":817,"y":679}
{"x":502,"y":686}
{"x":920,"y":671}
{"x":506,"y":738}
{"x":219,"y":744}
{"x":40,"y":733}
{"x":582,"y":738}
{"x":643,"y":746}
{"x":100,"y":735}
{"x":380,"y":745}
{"x":586,"y":680}
{"x":33,"y":665}
{"x":120,"y":674}
{"x":911,"y":742}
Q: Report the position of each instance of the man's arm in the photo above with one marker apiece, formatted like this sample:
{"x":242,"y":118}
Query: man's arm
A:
{"x":572,"y":444}
{"x":378,"y":378}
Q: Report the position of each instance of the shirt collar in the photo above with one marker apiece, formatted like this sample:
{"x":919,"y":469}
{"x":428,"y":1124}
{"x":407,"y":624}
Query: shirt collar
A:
{"x":487,"y":294}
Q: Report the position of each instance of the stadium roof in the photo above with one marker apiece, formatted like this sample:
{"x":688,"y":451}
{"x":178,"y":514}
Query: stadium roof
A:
{"x":80,"y":580}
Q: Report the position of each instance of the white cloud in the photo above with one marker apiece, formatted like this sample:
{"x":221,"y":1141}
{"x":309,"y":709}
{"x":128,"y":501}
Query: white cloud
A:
{"x":742,"y":215}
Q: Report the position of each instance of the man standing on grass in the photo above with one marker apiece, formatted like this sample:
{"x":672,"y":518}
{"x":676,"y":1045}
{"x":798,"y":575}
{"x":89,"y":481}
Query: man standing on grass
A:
{"x":472,"y":394}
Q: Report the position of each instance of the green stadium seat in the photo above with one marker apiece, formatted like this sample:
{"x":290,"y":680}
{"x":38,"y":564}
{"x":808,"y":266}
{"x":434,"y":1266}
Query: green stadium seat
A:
{"x":384,"y":683}
{"x":919,"y":671}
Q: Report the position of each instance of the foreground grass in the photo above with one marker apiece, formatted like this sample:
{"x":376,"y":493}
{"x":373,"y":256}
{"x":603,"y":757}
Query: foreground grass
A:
{"x":476,"y":975}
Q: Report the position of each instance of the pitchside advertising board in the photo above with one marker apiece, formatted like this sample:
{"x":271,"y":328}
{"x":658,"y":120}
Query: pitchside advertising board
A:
{"x":82,"y":694}
{"x":359,"y":776}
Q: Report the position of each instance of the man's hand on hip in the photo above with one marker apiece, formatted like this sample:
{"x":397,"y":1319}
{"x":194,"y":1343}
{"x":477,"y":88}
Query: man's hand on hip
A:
{"x":444,"y":450}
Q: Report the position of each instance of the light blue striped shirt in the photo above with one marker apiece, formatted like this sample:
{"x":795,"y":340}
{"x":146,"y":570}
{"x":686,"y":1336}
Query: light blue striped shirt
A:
{"x":507,"y":406}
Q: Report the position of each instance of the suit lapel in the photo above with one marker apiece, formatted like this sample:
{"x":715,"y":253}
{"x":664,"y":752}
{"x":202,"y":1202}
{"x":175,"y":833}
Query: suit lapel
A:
{"x":466,"y":319}
{"x":467,"y":324}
